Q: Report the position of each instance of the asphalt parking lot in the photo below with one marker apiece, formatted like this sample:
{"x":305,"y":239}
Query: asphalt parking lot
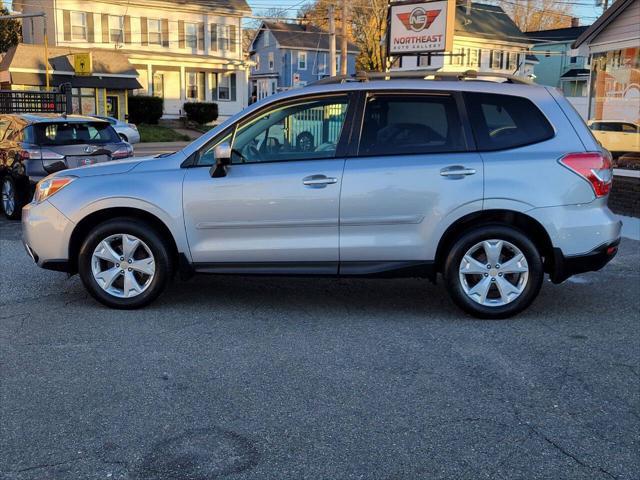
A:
{"x":257,"y":378}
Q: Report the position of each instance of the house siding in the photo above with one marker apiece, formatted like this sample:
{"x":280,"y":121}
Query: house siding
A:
{"x":625,"y":26}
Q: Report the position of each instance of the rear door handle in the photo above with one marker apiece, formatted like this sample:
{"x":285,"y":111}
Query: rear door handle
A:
{"x":457,"y":171}
{"x":319,"y":181}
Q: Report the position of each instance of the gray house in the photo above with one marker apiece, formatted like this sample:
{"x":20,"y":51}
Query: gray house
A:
{"x":291,"y":55}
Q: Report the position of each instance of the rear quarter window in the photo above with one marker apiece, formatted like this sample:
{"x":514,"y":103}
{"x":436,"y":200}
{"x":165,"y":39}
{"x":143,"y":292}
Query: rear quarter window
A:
{"x":500,"y":122}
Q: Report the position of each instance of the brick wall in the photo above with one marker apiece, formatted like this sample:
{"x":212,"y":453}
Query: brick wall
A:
{"x":625,"y":196}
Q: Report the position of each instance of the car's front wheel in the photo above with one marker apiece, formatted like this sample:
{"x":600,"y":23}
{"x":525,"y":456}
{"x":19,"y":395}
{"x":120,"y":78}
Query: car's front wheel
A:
{"x":124,"y":263}
{"x":493,"y":272}
{"x":12,"y":198}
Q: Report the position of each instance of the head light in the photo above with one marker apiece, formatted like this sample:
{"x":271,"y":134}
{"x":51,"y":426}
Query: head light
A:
{"x":49,"y":186}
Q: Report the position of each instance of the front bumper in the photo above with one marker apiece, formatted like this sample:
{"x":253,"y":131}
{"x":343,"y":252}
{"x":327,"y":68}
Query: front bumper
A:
{"x":567,"y":266}
{"x":46,"y":233}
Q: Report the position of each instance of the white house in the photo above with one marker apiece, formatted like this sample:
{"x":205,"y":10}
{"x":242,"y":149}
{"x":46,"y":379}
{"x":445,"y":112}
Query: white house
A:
{"x":183,"y":50}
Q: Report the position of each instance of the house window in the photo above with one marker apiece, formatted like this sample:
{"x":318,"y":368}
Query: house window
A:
{"x":116,"y":29}
{"x":573,"y":59}
{"x":424,"y":60}
{"x":257,"y":59}
{"x":512,"y":60}
{"x":154,"y":30}
{"x":78,"y":26}
{"x":472,"y":57}
{"x":158,"y":85}
{"x":265,"y":36}
{"x":271,"y":61}
{"x":302,"y":60}
{"x":195,"y":86}
{"x":191,"y":35}
{"x":547,"y":53}
{"x":496,"y":57}
{"x":223,"y":37}
{"x":227,"y":87}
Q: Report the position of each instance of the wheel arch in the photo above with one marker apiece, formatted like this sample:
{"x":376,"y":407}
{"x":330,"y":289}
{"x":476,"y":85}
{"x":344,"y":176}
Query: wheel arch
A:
{"x":89,"y":222}
{"x":511,"y":218}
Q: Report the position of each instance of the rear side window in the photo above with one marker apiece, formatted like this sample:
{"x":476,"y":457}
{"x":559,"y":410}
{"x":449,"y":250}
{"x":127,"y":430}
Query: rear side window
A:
{"x":500,"y":122}
{"x":396,"y":124}
{"x":75,"y":133}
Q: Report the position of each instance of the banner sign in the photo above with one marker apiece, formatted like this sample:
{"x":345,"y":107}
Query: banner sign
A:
{"x":421,"y":27}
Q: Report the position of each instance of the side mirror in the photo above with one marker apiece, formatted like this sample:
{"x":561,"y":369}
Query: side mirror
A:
{"x":222,"y":153}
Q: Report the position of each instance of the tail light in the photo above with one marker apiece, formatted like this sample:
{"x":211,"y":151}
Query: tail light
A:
{"x":51,"y":160}
{"x":594,"y":167}
{"x":125,"y":151}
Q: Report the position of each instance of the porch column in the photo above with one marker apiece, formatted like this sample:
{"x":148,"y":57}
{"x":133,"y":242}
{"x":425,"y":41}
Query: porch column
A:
{"x":183,"y":82}
{"x":150,"y":80}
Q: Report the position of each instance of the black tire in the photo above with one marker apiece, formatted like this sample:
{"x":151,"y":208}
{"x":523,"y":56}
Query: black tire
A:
{"x":161,"y":253}
{"x":497,"y":232}
{"x":18,"y":197}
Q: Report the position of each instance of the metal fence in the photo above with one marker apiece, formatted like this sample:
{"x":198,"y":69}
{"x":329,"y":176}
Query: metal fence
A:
{"x":33,"y":102}
{"x":323,"y":122}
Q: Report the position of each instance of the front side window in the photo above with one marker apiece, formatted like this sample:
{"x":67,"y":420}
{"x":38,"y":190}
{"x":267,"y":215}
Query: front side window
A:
{"x":191,"y":35}
{"x":411,"y":124}
{"x":309,"y":130}
{"x":78,"y":26}
{"x":116,"y":29}
{"x":154,"y":32}
{"x":496,"y":56}
{"x":227,"y":87}
{"x":503,"y":121}
{"x":302,"y":60}
{"x":223,"y":37}
{"x":195,"y":85}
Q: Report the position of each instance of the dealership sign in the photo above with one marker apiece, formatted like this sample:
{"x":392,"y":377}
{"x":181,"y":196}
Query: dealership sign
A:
{"x":421,"y":27}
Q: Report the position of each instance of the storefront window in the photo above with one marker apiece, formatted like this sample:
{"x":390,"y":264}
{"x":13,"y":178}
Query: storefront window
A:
{"x":615,"y":96}
{"x":84,"y":101}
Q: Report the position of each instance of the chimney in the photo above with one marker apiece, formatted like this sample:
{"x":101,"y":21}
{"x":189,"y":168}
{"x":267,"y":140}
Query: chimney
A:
{"x":575,"y":22}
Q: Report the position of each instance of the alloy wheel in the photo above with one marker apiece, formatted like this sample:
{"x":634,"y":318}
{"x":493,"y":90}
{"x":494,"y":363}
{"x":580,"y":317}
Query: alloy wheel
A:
{"x":494,"y":273}
{"x":123,"y":265}
{"x":8,"y":197}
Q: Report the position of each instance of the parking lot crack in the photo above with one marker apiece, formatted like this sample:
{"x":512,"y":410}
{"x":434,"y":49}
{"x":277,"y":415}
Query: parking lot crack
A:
{"x":49,"y":465}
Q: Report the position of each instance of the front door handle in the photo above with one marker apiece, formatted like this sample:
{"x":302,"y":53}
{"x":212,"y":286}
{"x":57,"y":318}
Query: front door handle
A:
{"x":457,"y":171}
{"x":319,"y":181}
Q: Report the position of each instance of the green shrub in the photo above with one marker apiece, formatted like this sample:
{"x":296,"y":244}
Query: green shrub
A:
{"x":201,"y":112}
{"x":145,"y":109}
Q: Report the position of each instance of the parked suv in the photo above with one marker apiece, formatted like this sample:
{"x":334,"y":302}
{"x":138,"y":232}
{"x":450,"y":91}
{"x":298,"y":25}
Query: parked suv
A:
{"x":34,"y":146}
{"x":489,"y":184}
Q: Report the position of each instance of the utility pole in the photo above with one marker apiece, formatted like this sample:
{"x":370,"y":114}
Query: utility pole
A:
{"x":46,"y":43}
{"x":332,"y":41}
{"x":343,"y":53}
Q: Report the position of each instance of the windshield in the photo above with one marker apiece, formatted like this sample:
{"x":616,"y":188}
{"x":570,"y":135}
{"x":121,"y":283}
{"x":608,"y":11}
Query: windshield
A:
{"x":73,"y":133}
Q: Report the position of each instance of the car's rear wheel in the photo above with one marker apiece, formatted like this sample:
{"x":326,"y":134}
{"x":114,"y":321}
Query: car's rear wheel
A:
{"x":124,"y":263}
{"x":493,"y":271}
{"x":12,"y":198}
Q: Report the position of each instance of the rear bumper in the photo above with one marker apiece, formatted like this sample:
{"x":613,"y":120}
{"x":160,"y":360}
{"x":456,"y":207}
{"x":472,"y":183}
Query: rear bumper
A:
{"x":567,"y":266}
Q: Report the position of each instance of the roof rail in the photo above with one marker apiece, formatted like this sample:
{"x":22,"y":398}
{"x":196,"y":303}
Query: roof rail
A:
{"x":422,"y":74}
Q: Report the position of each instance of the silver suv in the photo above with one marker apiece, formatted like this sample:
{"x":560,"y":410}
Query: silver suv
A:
{"x":491,"y":184}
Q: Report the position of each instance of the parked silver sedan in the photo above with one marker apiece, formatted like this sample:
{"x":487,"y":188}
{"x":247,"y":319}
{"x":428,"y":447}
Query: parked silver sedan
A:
{"x":127,"y":131}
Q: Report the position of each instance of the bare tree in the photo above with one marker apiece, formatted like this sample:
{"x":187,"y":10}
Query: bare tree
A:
{"x":367,"y":27}
{"x":534,"y":15}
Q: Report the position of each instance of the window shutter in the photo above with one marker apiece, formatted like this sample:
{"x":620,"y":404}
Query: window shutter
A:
{"x":165,"y":32}
{"x":214,"y":37}
{"x":127,"y":29}
{"x":490,"y":58}
{"x":232,"y":81}
{"x":201,"y":36}
{"x":66,"y":20}
{"x":90,"y":28}
{"x":144,"y":31}
{"x":105,"y":27}
{"x":232,"y":38}
{"x":181,"y":43}
{"x":479,"y":57}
